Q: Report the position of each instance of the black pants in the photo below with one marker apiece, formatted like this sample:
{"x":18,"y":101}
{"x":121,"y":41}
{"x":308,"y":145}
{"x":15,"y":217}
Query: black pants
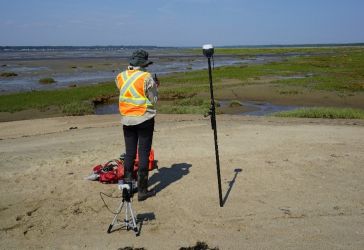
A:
{"x":138,"y":136}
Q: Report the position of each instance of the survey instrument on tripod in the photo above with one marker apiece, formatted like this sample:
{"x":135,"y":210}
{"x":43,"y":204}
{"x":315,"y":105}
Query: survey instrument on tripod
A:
{"x":208,"y":51}
{"x":130,"y":221}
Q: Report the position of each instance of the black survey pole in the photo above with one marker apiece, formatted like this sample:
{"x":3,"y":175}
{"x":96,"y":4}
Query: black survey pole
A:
{"x":208,"y":51}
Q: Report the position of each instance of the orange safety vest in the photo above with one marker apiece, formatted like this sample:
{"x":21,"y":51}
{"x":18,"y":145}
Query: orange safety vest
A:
{"x":132,"y":99}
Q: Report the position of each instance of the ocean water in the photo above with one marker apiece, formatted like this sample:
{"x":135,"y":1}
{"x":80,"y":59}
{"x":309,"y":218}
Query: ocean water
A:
{"x":69,"y":52}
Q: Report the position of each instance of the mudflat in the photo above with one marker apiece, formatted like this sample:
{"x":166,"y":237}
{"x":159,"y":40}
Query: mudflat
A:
{"x":287,"y":184}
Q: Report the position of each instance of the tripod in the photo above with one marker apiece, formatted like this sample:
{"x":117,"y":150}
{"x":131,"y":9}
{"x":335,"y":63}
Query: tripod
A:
{"x":129,"y":223}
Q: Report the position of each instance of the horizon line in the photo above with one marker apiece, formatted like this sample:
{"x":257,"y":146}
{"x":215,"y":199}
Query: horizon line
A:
{"x":219,"y":46}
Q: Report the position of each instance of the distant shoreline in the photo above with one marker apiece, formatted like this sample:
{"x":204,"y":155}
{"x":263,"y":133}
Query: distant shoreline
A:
{"x":109,"y":57}
{"x":116,"y":47}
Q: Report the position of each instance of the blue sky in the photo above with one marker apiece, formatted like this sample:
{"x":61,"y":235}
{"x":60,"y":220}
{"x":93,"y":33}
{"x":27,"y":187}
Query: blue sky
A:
{"x":180,"y":22}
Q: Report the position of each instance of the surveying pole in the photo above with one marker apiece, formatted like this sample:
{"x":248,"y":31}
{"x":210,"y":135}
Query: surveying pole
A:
{"x":208,"y":51}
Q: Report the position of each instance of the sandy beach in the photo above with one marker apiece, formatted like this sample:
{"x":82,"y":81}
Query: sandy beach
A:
{"x":287,"y":184}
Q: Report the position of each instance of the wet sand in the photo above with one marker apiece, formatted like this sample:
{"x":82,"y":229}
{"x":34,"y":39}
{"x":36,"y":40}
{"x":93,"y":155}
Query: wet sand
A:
{"x":300,"y":186}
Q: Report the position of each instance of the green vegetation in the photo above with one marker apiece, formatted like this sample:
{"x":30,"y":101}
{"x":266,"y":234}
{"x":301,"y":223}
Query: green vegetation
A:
{"x":275,"y":51}
{"x":318,"y":112}
{"x":71,"y":101}
{"x":47,"y":80}
{"x":8,"y":74}
{"x":77,"y":108}
{"x":329,"y":69}
{"x":235,"y":103}
{"x":342,"y":70}
{"x":190,"y":105}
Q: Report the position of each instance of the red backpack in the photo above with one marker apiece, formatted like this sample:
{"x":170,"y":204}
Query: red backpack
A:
{"x":110,"y":172}
{"x":113,"y":171}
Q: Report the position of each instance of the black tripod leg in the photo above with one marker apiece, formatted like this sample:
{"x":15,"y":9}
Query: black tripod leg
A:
{"x":109,"y":229}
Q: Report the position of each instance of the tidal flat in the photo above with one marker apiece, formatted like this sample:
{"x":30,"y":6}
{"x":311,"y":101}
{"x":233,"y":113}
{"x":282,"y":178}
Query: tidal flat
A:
{"x":300,"y":77}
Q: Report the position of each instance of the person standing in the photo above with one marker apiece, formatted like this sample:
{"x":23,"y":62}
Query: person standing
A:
{"x":138,"y":96}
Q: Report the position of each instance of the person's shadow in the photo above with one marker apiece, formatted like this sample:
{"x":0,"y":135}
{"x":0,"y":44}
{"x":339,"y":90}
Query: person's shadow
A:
{"x":168,"y":175}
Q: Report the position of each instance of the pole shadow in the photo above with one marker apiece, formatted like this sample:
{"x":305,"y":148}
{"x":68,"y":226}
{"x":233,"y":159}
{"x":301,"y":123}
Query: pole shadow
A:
{"x":145,"y":217}
{"x":231,"y":184}
{"x":166,"y":176}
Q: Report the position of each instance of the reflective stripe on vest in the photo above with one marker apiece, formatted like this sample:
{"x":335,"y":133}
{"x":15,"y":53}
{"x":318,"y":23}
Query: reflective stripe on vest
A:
{"x":132,"y":99}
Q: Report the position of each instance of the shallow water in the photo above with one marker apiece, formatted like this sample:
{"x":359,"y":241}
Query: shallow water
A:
{"x":28,"y":77}
{"x":18,"y":69}
{"x":33,"y":64}
{"x":260,"y":108}
{"x":30,"y":83}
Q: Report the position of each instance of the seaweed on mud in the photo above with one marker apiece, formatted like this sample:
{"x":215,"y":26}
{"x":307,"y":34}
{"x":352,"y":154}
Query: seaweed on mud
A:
{"x":131,"y":248}
{"x":8,"y":74}
{"x":200,"y":245}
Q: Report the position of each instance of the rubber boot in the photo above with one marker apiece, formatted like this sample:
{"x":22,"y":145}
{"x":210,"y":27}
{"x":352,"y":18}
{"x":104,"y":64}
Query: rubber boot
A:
{"x":143,"y":192}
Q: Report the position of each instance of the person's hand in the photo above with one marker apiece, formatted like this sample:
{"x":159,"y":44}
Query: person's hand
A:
{"x":156,"y":80}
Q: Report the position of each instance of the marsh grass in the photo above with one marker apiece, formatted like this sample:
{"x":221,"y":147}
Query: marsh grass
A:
{"x":178,"y":109}
{"x":192,"y":105}
{"x":66,"y":99}
{"x":235,"y":103}
{"x":323,"y":112}
{"x":170,"y":93}
{"x":77,"y":108}
{"x":340,"y":69}
{"x":333,"y":72}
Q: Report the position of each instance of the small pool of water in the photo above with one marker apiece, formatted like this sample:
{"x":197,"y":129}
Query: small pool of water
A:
{"x":106,"y":109}
{"x":266,"y":108}
{"x":259,"y":108}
